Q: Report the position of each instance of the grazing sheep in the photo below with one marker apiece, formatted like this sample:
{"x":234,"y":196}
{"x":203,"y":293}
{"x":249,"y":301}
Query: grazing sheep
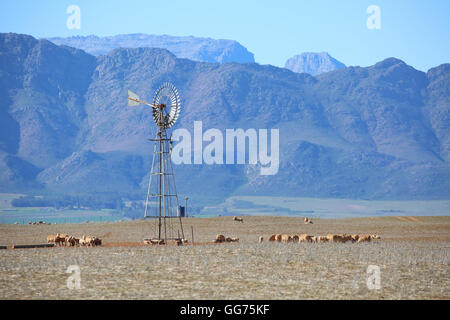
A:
{"x":305,"y":238}
{"x":295,"y":238}
{"x":60,"y":239}
{"x":346,"y":237}
{"x":355,"y":237}
{"x":51,"y":239}
{"x":220,"y":238}
{"x":82,"y":241}
{"x":286,"y":238}
{"x":272,"y":237}
{"x":260,"y":239}
{"x":238,"y":219}
{"x":375,"y":236}
{"x":364,"y":238}
{"x":278,"y":237}
{"x":334,"y":238}
{"x":322,"y":239}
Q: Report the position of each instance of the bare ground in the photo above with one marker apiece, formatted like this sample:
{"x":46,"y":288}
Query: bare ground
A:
{"x":412,"y":255}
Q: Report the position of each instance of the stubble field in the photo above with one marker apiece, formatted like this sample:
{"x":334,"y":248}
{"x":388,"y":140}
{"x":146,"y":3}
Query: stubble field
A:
{"x":412,"y":256}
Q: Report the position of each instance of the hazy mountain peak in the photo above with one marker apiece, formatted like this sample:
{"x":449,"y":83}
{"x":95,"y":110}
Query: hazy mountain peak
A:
{"x":193,"y":48}
{"x":313,"y":63}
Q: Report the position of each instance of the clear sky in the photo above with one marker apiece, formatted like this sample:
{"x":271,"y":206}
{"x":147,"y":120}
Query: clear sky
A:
{"x":416,"y":31}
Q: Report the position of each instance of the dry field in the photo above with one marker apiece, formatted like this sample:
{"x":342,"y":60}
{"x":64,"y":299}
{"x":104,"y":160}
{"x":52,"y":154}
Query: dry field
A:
{"x":413,"y":257}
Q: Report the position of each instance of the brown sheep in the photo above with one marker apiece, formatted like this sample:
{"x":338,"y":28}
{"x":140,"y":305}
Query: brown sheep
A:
{"x":51,"y":239}
{"x":355,"y":237}
{"x":295,"y":238}
{"x":272,"y":238}
{"x":346,"y":237}
{"x":334,"y":238}
{"x":286,"y":238}
{"x":322,"y":239}
{"x":305,"y":238}
{"x":60,"y":239}
{"x":364,"y":238}
{"x":278,"y":237}
{"x":238,"y":219}
{"x":69,"y":241}
{"x":90,"y":240}
{"x":97,"y":241}
{"x":220,"y":238}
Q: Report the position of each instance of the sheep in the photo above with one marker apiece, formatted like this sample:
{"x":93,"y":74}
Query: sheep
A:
{"x":51,"y":239}
{"x":220,"y":238}
{"x":238,"y":219}
{"x":334,"y":238}
{"x":286,"y":238}
{"x":364,"y":238}
{"x":305,"y":238}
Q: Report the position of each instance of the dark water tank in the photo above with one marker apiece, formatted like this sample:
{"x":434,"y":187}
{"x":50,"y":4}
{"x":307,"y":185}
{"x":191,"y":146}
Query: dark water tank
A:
{"x":180,"y":211}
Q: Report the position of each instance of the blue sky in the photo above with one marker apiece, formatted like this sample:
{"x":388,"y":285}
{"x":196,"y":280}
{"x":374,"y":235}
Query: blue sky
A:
{"x":416,"y":31}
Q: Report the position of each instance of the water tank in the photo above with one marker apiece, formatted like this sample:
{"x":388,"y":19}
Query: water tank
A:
{"x":180,"y":211}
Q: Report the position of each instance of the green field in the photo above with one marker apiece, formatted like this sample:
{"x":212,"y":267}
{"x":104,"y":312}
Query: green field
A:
{"x":327,"y":207}
{"x":244,"y":205}
{"x":23,"y":215}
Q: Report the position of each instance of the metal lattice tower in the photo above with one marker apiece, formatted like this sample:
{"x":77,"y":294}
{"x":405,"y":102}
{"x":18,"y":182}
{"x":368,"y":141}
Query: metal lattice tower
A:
{"x":161,"y":202}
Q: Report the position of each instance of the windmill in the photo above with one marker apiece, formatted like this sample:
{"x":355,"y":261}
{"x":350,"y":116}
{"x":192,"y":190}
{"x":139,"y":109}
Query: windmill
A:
{"x":161,"y":202}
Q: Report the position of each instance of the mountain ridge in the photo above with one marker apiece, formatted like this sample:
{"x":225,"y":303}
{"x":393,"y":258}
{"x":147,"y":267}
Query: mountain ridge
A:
{"x":190,"y":47}
{"x":378,"y":132}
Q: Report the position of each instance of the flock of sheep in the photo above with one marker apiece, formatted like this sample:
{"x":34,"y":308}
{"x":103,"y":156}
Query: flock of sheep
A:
{"x":220,"y":238}
{"x":318,"y":239}
{"x":61,"y":239}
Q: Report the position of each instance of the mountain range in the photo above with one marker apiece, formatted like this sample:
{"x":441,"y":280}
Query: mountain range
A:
{"x":193,"y":48}
{"x":378,"y":132}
